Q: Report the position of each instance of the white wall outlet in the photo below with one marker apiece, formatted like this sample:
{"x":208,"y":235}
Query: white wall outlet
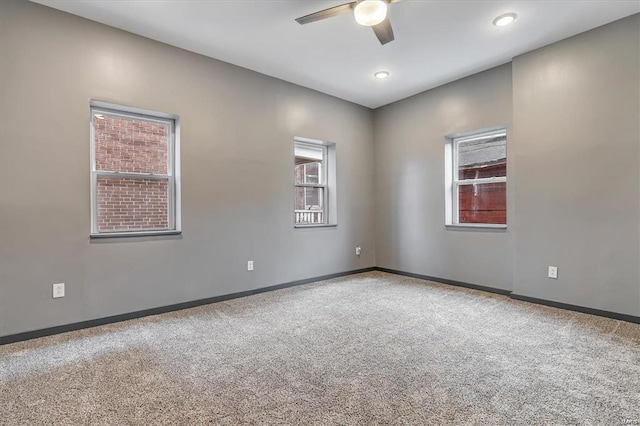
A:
{"x":58,"y":290}
{"x":358,"y":250}
{"x":250,"y":265}
{"x":553,"y":272}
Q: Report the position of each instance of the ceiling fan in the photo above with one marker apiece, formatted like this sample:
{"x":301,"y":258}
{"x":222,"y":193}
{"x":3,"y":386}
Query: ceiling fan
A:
{"x":369,"y":13}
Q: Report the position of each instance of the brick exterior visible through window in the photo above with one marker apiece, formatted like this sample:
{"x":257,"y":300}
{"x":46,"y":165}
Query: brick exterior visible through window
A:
{"x":484,"y":203}
{"x":132,"y":204}
{"x":132,"y":184}
{"x":310,"y":185}
{"x":126,"y":145}
{"x":478,"y":179}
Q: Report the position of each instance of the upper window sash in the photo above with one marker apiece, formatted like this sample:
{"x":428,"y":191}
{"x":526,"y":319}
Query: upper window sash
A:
{"x":456,"y":157}
{"x":170,"y":122}
{"x":323,"y":175}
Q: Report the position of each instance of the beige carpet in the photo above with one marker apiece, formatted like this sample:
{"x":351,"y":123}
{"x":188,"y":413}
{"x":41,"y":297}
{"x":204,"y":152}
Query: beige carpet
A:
{"x":367,"y":349}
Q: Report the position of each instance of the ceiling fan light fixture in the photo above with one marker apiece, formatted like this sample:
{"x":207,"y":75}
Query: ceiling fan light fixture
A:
{"x":370,"y":12}
{"x":505,"y":19}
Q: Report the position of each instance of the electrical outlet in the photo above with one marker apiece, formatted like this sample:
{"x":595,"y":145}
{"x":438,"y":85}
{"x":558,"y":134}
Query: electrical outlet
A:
{"x":553,"y":272}
{"x":250,"y":265}
{"x":58,"y":290}
{"x":358,"y":250}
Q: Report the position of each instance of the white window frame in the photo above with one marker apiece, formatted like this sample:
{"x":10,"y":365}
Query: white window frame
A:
{"x":453,"y":182}
{"x":328,"y":179}
{"x":172,"y":176}
{"x":322,"y":177}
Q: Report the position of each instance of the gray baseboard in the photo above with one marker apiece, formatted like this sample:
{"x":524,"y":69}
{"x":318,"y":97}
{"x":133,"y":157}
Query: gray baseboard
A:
{"x":27,"y":335}
{"x":566,"y":306}
{"x":446,"y":281}
{"x":584,"y":310}
{"x":18,"y":337}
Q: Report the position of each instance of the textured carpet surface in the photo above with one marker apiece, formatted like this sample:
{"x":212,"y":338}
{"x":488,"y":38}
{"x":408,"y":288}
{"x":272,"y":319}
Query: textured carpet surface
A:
{"x":367,"y":349}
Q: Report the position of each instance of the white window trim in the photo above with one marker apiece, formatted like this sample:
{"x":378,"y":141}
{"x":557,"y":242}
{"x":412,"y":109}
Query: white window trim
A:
{"x":329,"y":212}
{"x":452,"y":182}
{"x":173,"y":169}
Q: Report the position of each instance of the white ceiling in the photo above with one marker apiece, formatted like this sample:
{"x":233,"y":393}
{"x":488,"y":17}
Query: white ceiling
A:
{"x":436,"y":41}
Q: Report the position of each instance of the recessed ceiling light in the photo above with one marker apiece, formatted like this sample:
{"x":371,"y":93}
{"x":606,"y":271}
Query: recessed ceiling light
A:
{"x":504,"y":19}
{"x":381,"y":74}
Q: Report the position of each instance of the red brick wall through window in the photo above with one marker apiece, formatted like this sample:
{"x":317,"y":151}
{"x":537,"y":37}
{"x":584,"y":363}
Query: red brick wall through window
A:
{"x":128,"y":144}
{"x":483,"y":203}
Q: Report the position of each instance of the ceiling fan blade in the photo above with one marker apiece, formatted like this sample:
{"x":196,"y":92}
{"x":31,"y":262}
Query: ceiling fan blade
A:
{"x":383,"y":31}
{"x":327,"y":13}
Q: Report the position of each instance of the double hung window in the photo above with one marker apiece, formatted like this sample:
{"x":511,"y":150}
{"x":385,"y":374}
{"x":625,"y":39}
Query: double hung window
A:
{"x":311,"y":190}
{"x":478,"y":179}
{"x":134,"y":184}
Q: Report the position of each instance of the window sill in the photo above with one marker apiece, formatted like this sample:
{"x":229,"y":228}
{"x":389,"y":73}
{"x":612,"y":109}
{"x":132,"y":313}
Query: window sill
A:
{"x":134,"y":234}
{"x":475,"y":226}
{"x":318,"y":225}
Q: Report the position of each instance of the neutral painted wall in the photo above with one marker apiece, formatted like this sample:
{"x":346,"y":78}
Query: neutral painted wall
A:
{"x":571,"y":109}
{"x":573,"y":178}
{"x":576,"y":114}
{"x":410,"y":204}
{"x":237,"y":158}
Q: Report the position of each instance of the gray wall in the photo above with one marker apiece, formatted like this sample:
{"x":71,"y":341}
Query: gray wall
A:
{"x":237,"y":156}
{"x":410,"y":204}
{"x":576,"y":113}
{"x":573,"y":178}
{"x":572,"y":112}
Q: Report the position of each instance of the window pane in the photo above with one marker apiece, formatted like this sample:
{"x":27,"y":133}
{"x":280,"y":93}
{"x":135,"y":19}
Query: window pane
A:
{"x":127,"y":144}
{"x":309,"y":205}
{"x":482,"y":158}
{"x":308,"y":164}
{"x":126,"y":204}
{"x":483,"y":203}
{"x":309,"y":173}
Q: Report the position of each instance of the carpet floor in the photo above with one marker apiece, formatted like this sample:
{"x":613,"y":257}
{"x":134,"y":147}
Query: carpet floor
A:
{"x":366,"y":349}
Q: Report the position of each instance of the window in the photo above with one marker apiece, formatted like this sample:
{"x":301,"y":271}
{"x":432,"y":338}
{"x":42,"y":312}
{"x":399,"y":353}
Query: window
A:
{"x":314,"y":183}
{"x":134,"y":172}
{"x":477,"y":179}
